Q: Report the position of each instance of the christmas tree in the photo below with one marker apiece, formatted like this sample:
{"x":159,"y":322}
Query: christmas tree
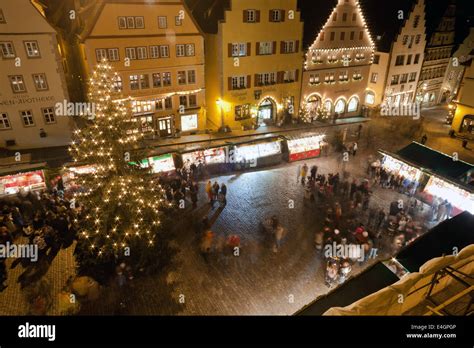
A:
{"x":122,"y":219}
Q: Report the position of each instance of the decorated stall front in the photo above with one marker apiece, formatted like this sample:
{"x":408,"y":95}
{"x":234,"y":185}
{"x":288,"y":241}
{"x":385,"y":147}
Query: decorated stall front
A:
{"x":23,"y":181}
{"x":163,"y":164}
{"x":305,"y":147}
{"x":257,"y":154}
{"x":71,"y":174}
{"x":214,"y":160}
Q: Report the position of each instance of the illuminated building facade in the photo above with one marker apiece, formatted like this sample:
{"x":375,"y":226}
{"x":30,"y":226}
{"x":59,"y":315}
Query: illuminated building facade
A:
{"x":338,"y":62}
{"x":253,"y":61}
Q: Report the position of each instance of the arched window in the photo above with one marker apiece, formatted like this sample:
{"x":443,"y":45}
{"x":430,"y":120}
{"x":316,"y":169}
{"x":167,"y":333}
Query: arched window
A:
{"x":340,"y":106}
{"x":370,"y":98}
{"x":313,"y":103}
{"x":328,"y":106}
{"x":353,"y":104}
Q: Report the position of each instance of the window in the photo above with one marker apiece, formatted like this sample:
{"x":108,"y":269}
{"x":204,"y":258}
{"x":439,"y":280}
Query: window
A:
{"x":404,"y":78}
{"x":412,"y":77}
{"x":141,"y":52}
{"x":130,"y":23}
{"x":376,"y":59}
{"x":370,"y":98}
{"x":40,"y":82}
{"x":334,"y":17}
{"x":192,"y":100}
{"x":276,"y":15}
{"x":190,"y":50}
{"x":395,"y":79}
{"x":189,"y":122}
{"x":4,"y":121}
{"x":333,"y":36}
{"x":250,"y":16}
{"x":32,"y":49}
{"x":2,"y":17}
{"x":168,"y":103}
{"x":288,"y":47}
{"x":353,"y":104}
{"x":409,"y":57}
{"x":400,"y":60}
{"x":352,"y":35}
{"x":328,"y":106}
{"x":144,"y":81}
{"x":139,"y":23}
{"x":154,"y":52}
{"x":118,"y":86}
{"x":48,"y":114}
{"x":162,"y":22}
{"x":122,"y":22}
{"x":374,"y":77}
{"x":314,"y":79}
{"x":417,"y":59}
{"x":100,"y":54}
{"x":183,"y":101}
{"x":7,"y":50}
{"x":178,"y":21}
{"x":289,"y":76}
{"x":191,"y":76}
{"x":418,"y":39}
{"x":354,"y":17}
{"x":266,"y":79}
{"x":265,"y":48}
{"x":164,"y":51}
{"x":134,"y":82}
{"x":344,"y":17}
{"x":156,"y":77}
{"x":180,"y":51}
{"x":181,"y":77}
{"x":113,"y":54}
{"x":405,"y":40}
{"x":242,"y":112}
{"x":343,"y":35}
{"x":27,"y":118}
{"x":166,"y":76}
{"x":340,"y":106}
{"x":239,"y":49}
{"x":321,"y":36}
{"x":239,"y":82}
{"x":416,"y":21}
{"x":17,"y":84}
{"x":131,"y":53}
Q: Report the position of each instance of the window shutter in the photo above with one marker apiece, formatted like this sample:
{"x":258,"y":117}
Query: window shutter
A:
{"x":256,"y":80}
{"x":297,"y":73}
{"x":280,"y":76}
{"x":270,"y":19}
{"x":282,"y":15}
{"x":249,"y":49}
{"x":249,"y":81}
{"x":282,"y":46}
{"x":229,"y":46}
{"x":229,"y":83}
{"x":274,"y":47}
{"x":257,"y":16}
{"x":297,"y":48}
{"x":258,"y":49}
{"x":245,"y":16}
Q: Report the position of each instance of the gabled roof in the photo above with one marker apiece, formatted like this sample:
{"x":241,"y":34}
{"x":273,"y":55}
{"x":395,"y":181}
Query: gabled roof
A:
{"x":383,"y":21}
{"x":435,"y":11}
{"x":208,"y":13}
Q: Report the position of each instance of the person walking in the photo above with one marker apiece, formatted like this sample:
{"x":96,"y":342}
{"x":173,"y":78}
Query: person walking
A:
{"x":354,"y":149}
{"x":215,"y":191}
{"x":224,"y":194}
{"x":209,"y":191}
{"x":304,"y":173}
{"x":424,"y":139}
{"x":314,"y":171}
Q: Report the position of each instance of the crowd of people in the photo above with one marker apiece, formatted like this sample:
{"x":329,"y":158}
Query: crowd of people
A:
{"x":46,"y":220}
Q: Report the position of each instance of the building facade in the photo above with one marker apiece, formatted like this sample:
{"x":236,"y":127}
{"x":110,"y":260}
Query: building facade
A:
{"x":157,"y":50}
{"x":400,"y":41}
{"x":338,"y":62}
{"x":463,"y":121}
{"x":438,"y":51}
{"x":253,"y":61}
{"x":32,"y":80}
{"x":455,"y":68}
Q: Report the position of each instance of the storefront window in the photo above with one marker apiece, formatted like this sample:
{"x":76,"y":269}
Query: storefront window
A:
{"x":370,"y":98}
{"x":189,"y":122}
{"x":328,"y":106}
{"x":353,"y":104}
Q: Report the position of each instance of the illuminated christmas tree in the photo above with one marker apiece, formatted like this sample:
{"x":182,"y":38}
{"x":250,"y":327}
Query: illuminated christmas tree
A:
{"x":122,"y":218}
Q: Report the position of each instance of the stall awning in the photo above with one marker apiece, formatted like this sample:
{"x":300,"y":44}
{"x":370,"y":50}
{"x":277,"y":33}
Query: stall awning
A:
{"x":436,"y":162}
{"x":21,"y":168}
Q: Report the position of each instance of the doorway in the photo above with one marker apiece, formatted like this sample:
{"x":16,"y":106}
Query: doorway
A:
{"x":266,"y":112}
{"x":165,"y":128}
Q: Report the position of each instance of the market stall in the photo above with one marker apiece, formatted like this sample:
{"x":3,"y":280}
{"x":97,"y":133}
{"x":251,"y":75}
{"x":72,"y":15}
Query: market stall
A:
{"x":215,"y":159}
{"x":461,"y":199}
{"x":257,"y":154}
{"x":24,"y":180}
{"x":163,"y":164}
{"x":71,"y":174}
{"x":304,"y":147}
